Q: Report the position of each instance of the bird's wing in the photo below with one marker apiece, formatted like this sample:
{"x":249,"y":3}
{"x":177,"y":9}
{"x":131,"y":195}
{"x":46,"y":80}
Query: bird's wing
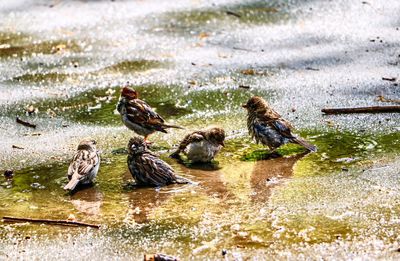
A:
{"x":282,"y":126}
{"x":141,"y":113}
{"x":83,"y":162}
{"x":156,"y":170}
{"x":268,"y":113}
{"x":193,"y":137}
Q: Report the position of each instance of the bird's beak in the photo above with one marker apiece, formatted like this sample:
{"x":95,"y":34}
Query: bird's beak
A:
{"x":244,"y":106}
{"x":222,"y":144}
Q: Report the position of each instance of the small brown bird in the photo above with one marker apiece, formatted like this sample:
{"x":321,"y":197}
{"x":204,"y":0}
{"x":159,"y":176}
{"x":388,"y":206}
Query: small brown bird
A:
{"x":138,"y":116}
{"x":201,"y":146}
{"x":266,"y":126}
{"x":147,"y":168}
{"x":84,"y":166}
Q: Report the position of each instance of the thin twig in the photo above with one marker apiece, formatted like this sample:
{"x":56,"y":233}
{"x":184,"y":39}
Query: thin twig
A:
{"x":50,"y":221}
{"x":25,"y":123}
{"x":390,"y":79}
{"x":372,"y":109}
{"x":233,"y":14}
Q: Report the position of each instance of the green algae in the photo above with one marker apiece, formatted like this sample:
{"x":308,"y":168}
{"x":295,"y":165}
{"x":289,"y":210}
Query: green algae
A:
{"x":53,"y":77}
{"x":45,"y":74}
{"x":19,"y":45}
{"x":10,"y":38}
{"x":342,"y":150}
{"x":257,"y":12}
{"x":130,"y":66}
{"x":172,"y":102}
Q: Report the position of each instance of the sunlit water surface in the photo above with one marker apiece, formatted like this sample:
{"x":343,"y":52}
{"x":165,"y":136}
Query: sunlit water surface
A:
{"x":196,"y":62}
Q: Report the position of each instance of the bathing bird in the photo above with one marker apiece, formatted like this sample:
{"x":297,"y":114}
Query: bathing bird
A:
{"x":138,"y":116}
{"x":202,"y":145}
{"x":84,"y":166}
{"x":147,"y":168}
{"x":265,"y":125}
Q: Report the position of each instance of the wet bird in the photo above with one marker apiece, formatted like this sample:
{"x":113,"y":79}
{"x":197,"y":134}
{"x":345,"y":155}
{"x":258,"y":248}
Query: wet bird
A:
{"x":138,"y":116}
{"x":265,"y":125}
{"x":84,"y":166}
{"x":147,"y":168}
{"x":201,"y":146}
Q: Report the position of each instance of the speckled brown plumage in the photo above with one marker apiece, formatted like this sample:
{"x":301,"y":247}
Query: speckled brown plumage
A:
{"x":138,"y":116}
{"x":265,"y":125}
{"x":84,"y":166}
{"x":147,"y":168}
{"x":201,"y":146}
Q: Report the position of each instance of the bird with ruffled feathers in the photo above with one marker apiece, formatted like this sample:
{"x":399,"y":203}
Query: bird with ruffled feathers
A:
{"x":202,"y":145}
{"x":147,"y":168}
{"x":267,"y":127}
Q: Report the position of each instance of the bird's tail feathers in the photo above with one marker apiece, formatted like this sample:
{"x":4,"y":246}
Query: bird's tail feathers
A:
{"x":175,"y":155}
{"x":305,"y":144}
{"x":172,"y":126}
{"x":73,"y":182}
{"x":182,"y":180}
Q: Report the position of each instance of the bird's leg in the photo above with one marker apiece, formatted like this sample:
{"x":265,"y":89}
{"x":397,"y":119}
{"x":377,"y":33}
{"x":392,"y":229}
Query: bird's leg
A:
{"x":146,"y":140}
{"x":273,"y":153}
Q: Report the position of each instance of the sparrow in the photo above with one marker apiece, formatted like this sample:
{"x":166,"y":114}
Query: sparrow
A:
{"x":265,"y":125}
{"x":84,"y":166}
{"x":147,"y":168}
{"x":201,"y":146}
{"x":138,"y":116}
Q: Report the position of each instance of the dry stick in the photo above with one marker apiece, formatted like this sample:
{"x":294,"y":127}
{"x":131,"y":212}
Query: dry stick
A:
{"x":372,"y":109}
{"x":50,"y":221}
{"x":390,"y":79}
{"x":25,"y":123}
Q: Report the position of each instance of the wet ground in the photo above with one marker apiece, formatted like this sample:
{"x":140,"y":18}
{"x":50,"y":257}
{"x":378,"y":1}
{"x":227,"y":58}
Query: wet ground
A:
{"x":196,"y":62}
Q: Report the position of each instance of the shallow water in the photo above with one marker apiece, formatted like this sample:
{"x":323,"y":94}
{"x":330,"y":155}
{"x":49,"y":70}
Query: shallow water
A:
{"x":190,"y":61}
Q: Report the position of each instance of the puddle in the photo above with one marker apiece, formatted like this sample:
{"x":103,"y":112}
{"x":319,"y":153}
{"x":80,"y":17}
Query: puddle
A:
{"x":196,"y":63}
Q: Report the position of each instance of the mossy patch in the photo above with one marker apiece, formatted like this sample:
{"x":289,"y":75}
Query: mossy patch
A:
{"x":257,"y":12}
{"x":130,"y":66}
{"x":338,"y":151}
{"x":26,"y":46}
{"x":52,"y":77}
{"x":170,"y":101}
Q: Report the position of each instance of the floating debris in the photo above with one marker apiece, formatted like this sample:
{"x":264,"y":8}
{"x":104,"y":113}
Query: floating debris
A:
{"x":390,"y":79}
{"x":9,"y":174}
{"x":31,"y":110}
{"x":233,"y":14}
{"x":25,"y":123}
{"x":37,"y":185}
{"x":17,"y":147}
{"x":381,"y":98}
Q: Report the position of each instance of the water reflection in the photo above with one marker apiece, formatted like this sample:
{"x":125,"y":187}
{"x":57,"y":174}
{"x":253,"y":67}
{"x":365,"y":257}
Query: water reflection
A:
{"x":267,"y":174}
{"x":88,"y":200}
{"x":209,"y":177}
